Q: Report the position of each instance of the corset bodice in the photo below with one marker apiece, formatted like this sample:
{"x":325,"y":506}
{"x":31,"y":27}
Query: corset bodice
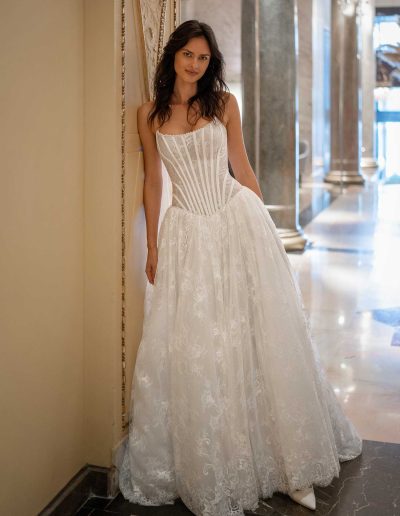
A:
{"x":197,"y":164}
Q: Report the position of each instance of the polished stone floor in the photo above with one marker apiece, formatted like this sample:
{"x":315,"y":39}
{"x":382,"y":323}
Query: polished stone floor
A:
{"x":367,"y":486}
{"x":350,"y":279}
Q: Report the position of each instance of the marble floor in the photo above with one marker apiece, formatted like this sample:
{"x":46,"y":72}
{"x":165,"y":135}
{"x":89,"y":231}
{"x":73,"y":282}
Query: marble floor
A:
{"x":368,"y":486}
{"x":350,"y":280}
{"x":349,"y":275}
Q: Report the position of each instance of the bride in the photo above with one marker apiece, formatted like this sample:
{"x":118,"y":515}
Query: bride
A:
{"x":229,"y":400}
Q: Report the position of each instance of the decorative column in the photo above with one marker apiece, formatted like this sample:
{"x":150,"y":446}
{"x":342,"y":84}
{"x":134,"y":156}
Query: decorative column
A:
{"x":345,"y":95}
{"x":368,"y":80}
{"x":269,"y":62}
{"x":251,"y":80}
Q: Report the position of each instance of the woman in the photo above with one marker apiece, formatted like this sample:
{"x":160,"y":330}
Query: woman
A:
{"x":229,"y":401}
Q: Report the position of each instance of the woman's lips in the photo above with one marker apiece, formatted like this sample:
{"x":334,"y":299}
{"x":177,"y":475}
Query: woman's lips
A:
{"x":191,"y":73}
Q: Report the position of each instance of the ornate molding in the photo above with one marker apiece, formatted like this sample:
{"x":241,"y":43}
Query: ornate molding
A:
{"x":158,"y":19}
{"x":123,"y":230}
{"x":153,"y":26}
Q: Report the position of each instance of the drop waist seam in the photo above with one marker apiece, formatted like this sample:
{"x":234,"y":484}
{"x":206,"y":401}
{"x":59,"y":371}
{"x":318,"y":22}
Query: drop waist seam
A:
{"x":215,"y":212}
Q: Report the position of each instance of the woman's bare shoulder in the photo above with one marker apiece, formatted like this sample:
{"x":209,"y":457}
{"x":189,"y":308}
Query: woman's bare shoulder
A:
{"x":230,"y":100}
{"x":231,"y":106}
{"x":143,"y":117}
{"x":145,"y":108}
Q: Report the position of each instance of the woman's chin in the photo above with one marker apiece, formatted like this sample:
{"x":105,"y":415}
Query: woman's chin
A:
{"x":187,"y":77}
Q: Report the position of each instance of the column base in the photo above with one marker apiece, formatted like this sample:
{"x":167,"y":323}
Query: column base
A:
{"x":346,"y":177}
{"x":292,"y":239}
{"x":369,"y":163}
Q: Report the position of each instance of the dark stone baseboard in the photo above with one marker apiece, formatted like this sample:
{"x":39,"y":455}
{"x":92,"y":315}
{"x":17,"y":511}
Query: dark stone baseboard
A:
{"x":89,"y":481}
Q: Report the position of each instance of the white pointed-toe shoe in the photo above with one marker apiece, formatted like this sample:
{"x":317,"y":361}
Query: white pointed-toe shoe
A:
{"x":305,"y":497}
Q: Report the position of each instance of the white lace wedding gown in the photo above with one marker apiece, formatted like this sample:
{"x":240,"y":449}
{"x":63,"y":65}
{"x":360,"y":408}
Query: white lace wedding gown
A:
{"x":229,"y":400}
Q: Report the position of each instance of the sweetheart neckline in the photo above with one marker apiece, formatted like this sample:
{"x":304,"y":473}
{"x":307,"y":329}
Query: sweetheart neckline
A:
{"x":194,"y":130}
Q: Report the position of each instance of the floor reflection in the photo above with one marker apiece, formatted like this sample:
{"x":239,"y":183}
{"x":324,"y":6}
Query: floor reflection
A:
{"x":351,"y":286}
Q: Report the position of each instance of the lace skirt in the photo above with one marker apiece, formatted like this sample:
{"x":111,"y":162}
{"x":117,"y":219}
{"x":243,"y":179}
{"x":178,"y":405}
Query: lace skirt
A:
{"x":230,"y":402}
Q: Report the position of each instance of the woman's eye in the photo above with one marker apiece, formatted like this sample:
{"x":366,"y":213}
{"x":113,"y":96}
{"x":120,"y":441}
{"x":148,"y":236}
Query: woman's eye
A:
{"x":186,"y":54}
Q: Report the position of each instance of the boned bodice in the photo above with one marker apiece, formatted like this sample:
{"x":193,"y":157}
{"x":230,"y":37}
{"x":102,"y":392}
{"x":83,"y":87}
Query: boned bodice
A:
{"x":197,"y":164}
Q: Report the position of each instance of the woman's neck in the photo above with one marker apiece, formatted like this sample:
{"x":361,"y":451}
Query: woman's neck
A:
{"x":183,"y":91}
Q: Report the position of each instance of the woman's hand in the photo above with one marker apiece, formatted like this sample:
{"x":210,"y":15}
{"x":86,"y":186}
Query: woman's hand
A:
{"x":151,"y":263}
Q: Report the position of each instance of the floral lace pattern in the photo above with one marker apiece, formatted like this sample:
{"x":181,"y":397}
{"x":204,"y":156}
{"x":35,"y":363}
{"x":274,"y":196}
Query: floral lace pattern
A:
{"x":229,"y":400}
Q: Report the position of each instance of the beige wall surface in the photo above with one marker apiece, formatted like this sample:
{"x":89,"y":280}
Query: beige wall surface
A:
{"x":60,"y":266}
{"x":102,"y":228}
{"x":61,"y":231}
{"x":41,"y":259}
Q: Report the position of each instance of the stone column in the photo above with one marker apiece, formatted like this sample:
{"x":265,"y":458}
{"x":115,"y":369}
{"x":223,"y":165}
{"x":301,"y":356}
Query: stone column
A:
{"x":368,"y":80}
{"x":250,"y":80}
{"x":345,"y":95}
{"x":274,"y":83}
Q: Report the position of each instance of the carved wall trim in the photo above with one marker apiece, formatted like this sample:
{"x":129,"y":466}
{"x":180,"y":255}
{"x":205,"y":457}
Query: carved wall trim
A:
{"x":155,"y":20}
{"x":153,"y":25}
{"x":138,"y":16}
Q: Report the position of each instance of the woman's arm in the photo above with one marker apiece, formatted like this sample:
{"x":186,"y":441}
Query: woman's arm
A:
{"x":236,"y":149}
{"x":152,"y":188}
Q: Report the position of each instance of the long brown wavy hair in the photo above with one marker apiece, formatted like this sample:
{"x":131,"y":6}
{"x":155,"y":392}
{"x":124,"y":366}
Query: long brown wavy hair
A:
{"x":211,"y":87}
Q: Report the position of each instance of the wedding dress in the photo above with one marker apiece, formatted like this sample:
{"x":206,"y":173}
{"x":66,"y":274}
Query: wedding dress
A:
{"x":230,"y":402}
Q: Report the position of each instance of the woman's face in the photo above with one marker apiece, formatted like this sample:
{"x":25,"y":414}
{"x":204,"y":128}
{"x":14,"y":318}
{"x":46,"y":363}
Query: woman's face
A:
{"x":192,"y":60}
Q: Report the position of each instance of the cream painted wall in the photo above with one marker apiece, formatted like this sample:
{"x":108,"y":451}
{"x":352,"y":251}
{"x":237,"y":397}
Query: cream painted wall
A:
{"x":60,"y":265}
{"x":41,"y":259}
{"x":102,"y":350}
{"x":102,"y":229}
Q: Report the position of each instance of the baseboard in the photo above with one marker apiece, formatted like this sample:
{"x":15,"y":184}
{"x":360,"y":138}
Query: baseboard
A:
{"x":89,"y":481}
